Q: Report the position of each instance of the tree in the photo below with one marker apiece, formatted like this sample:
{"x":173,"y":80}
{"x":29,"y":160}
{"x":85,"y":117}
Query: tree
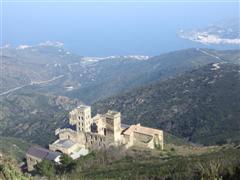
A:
{"x":46,"y":168}
{"x":65,"y":159}
{"x":67,"y":164}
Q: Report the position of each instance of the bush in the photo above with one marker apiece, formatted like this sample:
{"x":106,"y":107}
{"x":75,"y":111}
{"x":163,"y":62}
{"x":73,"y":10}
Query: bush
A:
{"x":46,"y":168}
{"x":67,"y":164}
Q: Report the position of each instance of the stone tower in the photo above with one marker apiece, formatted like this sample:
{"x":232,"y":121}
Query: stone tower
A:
{"x":81,"y":117}
{"x":113,"y":125}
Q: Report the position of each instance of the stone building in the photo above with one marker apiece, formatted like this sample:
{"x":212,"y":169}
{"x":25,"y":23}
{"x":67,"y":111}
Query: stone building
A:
{"x":101,"y":131}
{"x":36,"y":154}
{"x":84,"y":133}
{"x":137,"y":135}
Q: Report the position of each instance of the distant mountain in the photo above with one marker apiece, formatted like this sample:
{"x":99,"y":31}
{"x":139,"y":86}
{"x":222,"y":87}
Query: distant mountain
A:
{"x":202,"y":105}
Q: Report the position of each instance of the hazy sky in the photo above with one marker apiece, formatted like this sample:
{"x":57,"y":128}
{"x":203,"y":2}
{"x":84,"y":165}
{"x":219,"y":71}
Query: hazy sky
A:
{"x":98,"y":29}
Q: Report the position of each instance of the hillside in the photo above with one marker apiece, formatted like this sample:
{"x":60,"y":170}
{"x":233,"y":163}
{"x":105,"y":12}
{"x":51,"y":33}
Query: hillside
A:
{"x":202,"y":105}
{"x":223,"y":164}
{"x":34,"y":117}
{"x":14,"y":147}
{"x":220,"y":162}
{"x":33,"y":111}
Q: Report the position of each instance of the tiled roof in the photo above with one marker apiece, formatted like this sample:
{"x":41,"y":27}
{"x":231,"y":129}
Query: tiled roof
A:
{"x":142,"y":130}
{"x":130,"y":130}
{"x":52,"y":155}
{"x":42,"y":153}
{"x":66,"y":143}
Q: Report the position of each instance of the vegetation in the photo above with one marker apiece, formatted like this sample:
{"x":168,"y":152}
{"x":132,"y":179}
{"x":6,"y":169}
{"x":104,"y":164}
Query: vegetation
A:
{"x":14,"y":147}
{"x":67,"y":165}
{"x":46,"y":168}
{"x":214,"y":163}
{"x":34,"y":117}
{"x":114,"y":76}
{"x":9,"y":169}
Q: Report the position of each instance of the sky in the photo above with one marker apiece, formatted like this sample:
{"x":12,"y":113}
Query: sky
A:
{"x":110,"y":28}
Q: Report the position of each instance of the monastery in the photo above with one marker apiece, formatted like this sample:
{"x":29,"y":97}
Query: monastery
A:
{"x":85,"y":133}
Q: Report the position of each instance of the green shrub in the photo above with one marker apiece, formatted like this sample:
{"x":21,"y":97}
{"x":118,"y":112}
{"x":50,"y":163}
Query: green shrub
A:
{"x":46,"y":168}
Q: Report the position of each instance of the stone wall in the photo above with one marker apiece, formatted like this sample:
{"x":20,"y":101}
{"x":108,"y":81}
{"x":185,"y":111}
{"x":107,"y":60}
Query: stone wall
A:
{"x":78,"y":137}
{"x":31,"y":162}
{"x":55,"y":147}
{"x":96,"y":141}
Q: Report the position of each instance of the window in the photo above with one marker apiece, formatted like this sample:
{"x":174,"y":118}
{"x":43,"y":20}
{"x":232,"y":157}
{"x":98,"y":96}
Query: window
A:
{"x":96,"y":138}
{"x":94,"y":128}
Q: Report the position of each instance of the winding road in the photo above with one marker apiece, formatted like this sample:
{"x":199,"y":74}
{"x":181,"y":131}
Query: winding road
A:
{"x":30,"y":84}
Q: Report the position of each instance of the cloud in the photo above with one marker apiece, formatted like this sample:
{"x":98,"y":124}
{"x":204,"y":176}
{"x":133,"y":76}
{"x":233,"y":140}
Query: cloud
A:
{"x":24,"y":46}
{"x":52,"y":43}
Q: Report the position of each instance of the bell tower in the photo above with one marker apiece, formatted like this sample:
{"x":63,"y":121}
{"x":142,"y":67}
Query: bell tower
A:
{"x":81,"y":117}
{"x":113,"y":127}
